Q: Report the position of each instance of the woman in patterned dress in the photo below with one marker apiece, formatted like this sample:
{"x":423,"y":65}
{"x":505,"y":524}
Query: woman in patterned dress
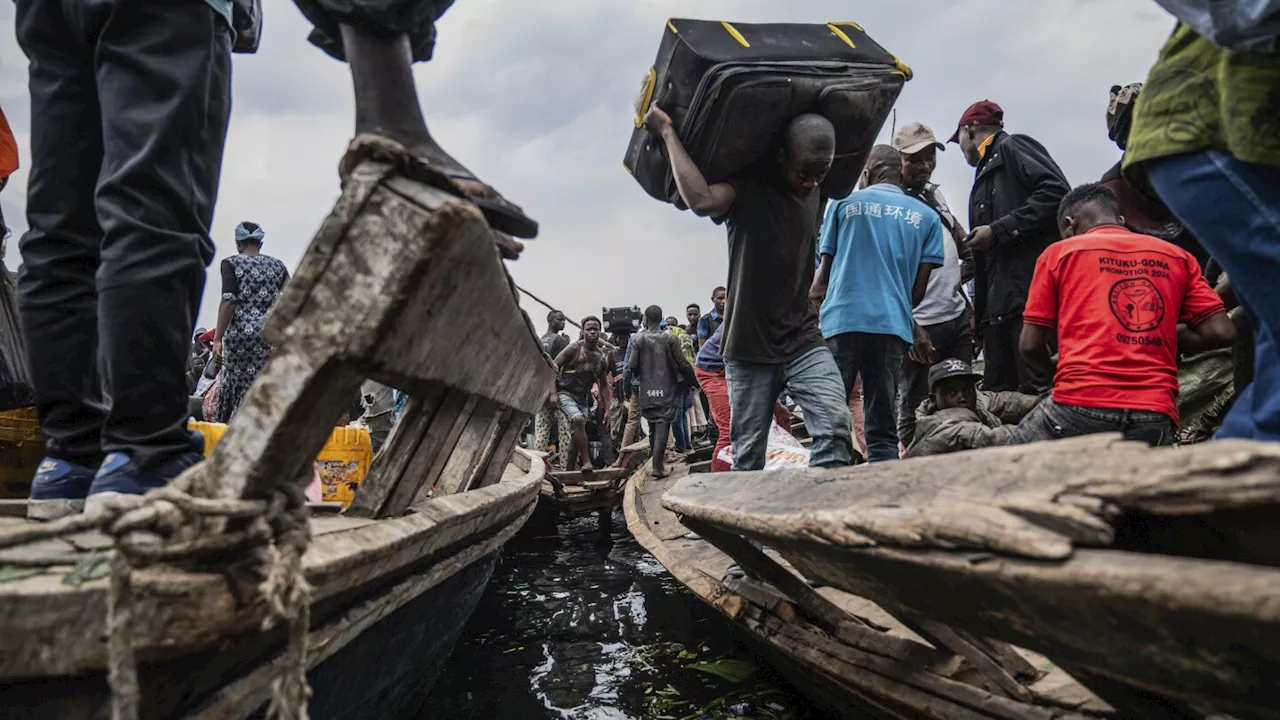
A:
{"x":251,"y":283}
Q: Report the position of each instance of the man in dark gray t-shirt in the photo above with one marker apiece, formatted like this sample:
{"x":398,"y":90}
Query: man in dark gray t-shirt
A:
{"x":771,"y":337}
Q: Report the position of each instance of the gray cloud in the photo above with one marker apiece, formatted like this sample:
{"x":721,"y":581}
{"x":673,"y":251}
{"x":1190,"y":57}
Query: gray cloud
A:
{"x":536,"y":99}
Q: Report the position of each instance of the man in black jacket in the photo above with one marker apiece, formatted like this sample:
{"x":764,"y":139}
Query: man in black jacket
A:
{"x":1013,"y":212}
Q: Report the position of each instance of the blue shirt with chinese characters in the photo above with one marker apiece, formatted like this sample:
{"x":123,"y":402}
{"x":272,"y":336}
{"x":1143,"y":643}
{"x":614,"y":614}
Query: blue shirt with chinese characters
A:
{"x":878,"y":237}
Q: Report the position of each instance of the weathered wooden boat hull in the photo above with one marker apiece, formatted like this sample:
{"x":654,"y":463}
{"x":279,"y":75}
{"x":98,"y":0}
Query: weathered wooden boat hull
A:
{"x":364,"y":680}
{"x":847,"y":667}
{"x":395,"y":267}
{"x":232,"y":679}
{"x":1149,"y":575}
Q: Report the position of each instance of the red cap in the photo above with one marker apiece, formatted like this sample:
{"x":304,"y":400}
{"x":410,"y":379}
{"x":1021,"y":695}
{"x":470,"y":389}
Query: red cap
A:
{"x":206,"y":338}
{"x":979,"y":113}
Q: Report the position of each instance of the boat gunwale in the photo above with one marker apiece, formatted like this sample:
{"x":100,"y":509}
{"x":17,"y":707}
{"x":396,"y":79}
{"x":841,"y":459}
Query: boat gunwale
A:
{"x":335,"y":563}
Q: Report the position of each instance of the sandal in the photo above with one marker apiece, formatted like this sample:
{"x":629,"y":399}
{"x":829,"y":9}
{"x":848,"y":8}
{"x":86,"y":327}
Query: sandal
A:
{"x":502,"y":215}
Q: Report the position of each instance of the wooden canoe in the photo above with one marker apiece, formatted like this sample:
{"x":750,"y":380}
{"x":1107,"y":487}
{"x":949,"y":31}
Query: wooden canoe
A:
{"x":846,"y":653}
{"x":1148,"y":574}
{"x":388,"y":290}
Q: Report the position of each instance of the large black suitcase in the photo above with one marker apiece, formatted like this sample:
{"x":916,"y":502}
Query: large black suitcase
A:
{"x":730,"y":88}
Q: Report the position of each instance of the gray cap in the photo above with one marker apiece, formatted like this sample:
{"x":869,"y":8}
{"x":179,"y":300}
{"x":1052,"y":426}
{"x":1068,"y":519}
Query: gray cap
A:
{"x":914,"y":137}
{"x":950,"y":368}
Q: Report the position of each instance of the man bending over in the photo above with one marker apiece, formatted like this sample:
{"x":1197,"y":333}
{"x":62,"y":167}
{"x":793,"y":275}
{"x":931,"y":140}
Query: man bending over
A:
{"x":771,"y":337}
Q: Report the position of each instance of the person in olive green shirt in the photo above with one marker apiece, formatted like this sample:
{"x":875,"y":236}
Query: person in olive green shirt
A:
{"x":1206,"y":138}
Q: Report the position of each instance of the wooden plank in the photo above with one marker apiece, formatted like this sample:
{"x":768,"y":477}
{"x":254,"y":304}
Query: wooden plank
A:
{"x":964,"y":700}
{"x":468,"y":451}
{"x":700,"y":467}
{"x":13,"y":508}
{"x":943,"y":636}
{"x":179,"y":612}
{"x":608,"y":476}
{"x":433,"y":452}
{"x":514,"y":423}
{"x":822,"y":612}
{"x":390,"y":464}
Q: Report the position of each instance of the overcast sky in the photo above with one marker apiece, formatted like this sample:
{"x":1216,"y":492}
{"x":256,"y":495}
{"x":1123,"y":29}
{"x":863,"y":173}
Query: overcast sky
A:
{"x":536,"y":98}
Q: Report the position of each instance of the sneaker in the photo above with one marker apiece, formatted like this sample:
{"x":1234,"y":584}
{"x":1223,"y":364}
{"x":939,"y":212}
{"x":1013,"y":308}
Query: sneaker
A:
{"x":120,"y":476}
{"x":58,"y":489}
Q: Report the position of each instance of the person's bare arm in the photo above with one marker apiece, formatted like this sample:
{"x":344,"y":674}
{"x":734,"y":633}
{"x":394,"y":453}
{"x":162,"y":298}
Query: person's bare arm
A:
{"x":703,"y":199}
{"x":1215,"y":332}
{"x":606,"y":391}
{"x":226,"y":310}
{"x":1034,"y":346}
{"x":818,"y":291}
{"x":922,"y":283}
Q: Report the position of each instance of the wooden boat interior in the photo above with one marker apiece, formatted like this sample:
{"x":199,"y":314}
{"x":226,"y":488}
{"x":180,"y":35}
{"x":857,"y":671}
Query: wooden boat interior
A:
{"x":846,"y":650}
{"x":1150,"y":575}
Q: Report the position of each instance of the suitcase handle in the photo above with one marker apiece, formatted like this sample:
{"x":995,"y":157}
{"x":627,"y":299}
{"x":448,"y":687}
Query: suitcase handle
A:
{"x":644,"y":98}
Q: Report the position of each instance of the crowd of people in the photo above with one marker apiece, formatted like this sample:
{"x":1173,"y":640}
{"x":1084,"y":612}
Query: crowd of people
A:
{"x":1080,"y":302}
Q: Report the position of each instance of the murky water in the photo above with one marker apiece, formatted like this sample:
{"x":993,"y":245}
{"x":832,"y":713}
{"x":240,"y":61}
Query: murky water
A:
{"x":578,"y":624}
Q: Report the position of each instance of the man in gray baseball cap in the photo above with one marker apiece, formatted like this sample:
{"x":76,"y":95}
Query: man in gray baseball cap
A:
{"x":942,"y":318}
{"x":958,"y":416}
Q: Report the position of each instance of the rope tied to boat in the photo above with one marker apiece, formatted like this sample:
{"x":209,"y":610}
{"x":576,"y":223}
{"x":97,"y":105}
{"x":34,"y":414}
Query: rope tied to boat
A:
{"x":171,"y":525}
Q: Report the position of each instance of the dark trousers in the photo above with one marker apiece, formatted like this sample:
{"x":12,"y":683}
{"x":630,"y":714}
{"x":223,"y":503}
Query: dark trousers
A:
{"x":878,"y":359}
{"x":129,"y":105}
{"x":952,"y":339}
{"x":1006,"y":370}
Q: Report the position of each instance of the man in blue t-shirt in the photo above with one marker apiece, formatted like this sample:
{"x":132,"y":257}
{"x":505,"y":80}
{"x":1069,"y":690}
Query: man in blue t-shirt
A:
{"x":877,"y":249}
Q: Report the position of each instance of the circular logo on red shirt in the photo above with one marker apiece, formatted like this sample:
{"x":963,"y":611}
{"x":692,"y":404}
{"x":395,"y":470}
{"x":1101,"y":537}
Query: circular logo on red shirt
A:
{"x":1137,"y":304}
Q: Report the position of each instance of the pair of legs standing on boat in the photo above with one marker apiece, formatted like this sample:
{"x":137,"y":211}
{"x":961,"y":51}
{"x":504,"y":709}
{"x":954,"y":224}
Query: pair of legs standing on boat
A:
{"x":129,"y":104}
{"x":130,"y":107}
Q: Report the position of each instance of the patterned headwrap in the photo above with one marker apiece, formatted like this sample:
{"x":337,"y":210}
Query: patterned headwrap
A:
{"x":249,"y":232}
{"x":1120,"y":112}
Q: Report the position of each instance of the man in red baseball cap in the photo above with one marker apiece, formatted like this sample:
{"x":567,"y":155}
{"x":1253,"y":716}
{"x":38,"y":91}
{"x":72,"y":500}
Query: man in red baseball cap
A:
{"x":1013,"y":210}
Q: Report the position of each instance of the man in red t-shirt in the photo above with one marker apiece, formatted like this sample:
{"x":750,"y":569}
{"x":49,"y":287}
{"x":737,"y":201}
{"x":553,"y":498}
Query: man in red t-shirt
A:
{"x":1116,"y":299}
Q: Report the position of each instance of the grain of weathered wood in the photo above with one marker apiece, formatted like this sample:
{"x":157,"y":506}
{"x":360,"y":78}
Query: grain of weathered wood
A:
{"x":809,"y":650}
{"x":468,"y":451}
{"x":247,"y":694}
{"x":821,"y":611}
{"x":390,"y":464}
{"x":429,"y":458}
{"x":52,"y":629}
{"x":504,"y":447}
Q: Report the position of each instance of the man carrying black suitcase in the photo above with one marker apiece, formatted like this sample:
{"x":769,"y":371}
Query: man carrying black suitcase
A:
{"x":771,"y":337}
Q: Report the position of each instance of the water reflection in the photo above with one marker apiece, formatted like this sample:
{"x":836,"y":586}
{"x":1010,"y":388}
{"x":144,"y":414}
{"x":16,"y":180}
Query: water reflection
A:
{"x":582,"y":625}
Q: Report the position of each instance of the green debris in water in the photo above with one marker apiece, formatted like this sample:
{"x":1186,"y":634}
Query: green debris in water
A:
{"x":734,"y":671}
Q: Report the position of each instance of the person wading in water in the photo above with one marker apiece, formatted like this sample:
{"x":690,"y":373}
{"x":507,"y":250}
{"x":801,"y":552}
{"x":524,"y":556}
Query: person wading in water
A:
{"x":582,"y":364}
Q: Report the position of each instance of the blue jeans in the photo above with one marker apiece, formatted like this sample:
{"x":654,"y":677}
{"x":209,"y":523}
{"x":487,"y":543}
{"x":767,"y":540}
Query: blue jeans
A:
{"x":1055,"y":421}
{"x":878,"y":359}
{"x":813,"y":380}
{"x":1233,"y":207}
{"x":681,"y":426}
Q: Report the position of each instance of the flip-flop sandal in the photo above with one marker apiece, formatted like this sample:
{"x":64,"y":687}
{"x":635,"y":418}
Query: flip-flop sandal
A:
{"x":501,"y":214}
